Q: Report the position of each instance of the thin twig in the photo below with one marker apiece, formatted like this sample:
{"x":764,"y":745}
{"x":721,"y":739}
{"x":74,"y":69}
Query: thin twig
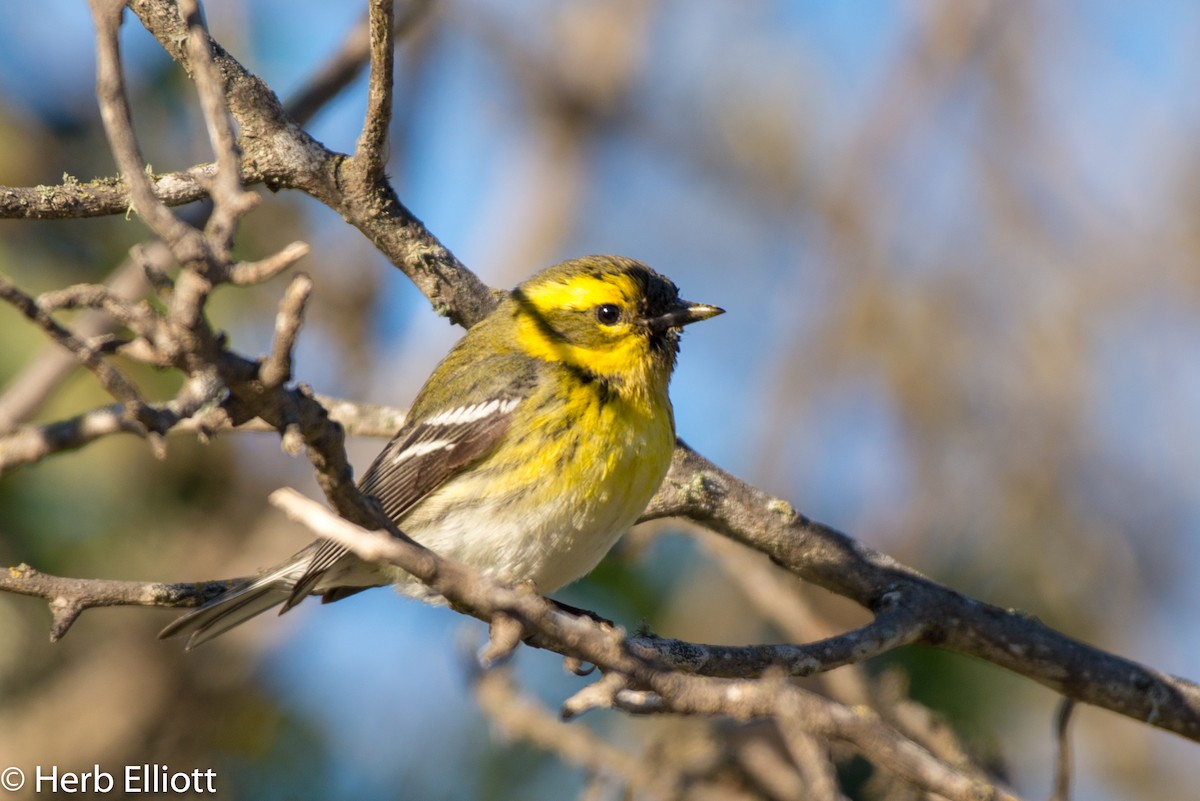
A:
{"x":524,"y":718}
{"x":277,"y":367}
{"x":504,"y":635}
{"x":813,"y":761}
{"x":890,"y":697}
{"x":230,"y":200}
{"x":32,"y":443}
{"x":370,"y":152}
{"x":600,"y":694}
{"x":113,"y":381}
{"x":118,"y":125}
{"x":289,"y":157}
{"x":68,"y":597}
{"x":1062,"y":741}
{"x":45,"y":372}
{"x":341,"y":69}
{"x":256,"y":272}
{"x":767,"y":764}
{"x":102,"y":197}
{"x":893,"y":627}
{"x":777,"y":594}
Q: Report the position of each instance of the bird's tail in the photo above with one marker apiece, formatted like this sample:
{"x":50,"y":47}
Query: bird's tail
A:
{"x":240,"y":603}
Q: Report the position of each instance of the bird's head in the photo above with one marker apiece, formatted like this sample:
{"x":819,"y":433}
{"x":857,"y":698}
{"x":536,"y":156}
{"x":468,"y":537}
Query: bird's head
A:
{"x":611,"y":318}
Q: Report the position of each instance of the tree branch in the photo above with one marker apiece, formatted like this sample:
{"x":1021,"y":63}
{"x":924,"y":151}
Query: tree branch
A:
{"x":103,"y":197}
{"x":891,"y":628}
{"x":230,"y":200}
{"x":1062,"y":742}
{"x":277,"y":151}
{"x":277,"y":367}
{"x":699,"y":490}
{"x":526,"y":719}
{"x":345,"y":65}
{"x":69,"y":597}
{"x":584,"y":638}
{"x":32,"y":443}
{"x":288,"y":157}
{"x":118,"y":126}
{"x":113,"y":381}
{"x":370,"y":152}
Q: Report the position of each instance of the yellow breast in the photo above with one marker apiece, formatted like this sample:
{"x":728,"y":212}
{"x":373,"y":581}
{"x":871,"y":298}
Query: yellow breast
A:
{"x":559,"y":498}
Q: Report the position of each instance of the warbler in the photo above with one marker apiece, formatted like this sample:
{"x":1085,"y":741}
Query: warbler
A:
{"x":534,"y":445}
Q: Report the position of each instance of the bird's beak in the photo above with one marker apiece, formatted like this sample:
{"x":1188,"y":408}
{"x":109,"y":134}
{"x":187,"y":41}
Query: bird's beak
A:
{"x":683,"y":313}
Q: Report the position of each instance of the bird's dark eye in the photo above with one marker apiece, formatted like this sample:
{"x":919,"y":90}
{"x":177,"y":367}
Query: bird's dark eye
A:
{"x":608,"y":314}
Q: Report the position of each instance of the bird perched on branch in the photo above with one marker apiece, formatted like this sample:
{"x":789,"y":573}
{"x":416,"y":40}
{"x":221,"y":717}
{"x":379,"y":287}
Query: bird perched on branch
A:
{"x":533,"y":446}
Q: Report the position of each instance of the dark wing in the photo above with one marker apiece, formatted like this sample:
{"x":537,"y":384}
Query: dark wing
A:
{"x":420,"y":458}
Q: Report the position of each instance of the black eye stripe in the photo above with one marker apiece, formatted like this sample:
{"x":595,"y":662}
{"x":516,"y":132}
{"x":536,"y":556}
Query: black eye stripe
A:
{"x":608,"y":314}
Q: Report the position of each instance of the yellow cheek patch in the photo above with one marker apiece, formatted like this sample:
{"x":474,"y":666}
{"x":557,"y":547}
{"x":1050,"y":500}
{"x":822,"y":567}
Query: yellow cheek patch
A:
{"x":618,"y":358}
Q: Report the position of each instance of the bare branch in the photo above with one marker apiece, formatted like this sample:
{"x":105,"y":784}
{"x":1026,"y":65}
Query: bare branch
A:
{"x":370,"y":152}
{"x":69,"y":597}
{"x":483,"y":597}
{"x":31,"y":443}
{"x":819,"y":716}
{"x":277,"y":368}
{"x":110,"y":378}
{"x":765,"y":763}
{"x":277,"y":151}
{"x":893,"y":626}
{"x":504,"y":635}
{"x":255,"y":272}
{"x":364,"y":419}
{"x":102,"y":197}
{"x":345,"y":65}
{"x":27,"y":391}
{"x":1062,"y":739}
{"x":697,"y":489}
{"x":600,"y":694}
{"x":230,"y":200}
{"x":890,"y":697}
{"x":525,"y":719}
{"x":118,"y":125}
{"x":813,"y":762}
{"x":478,"y":595}
{"x":288,"y":157}
{"x":643,"y":674}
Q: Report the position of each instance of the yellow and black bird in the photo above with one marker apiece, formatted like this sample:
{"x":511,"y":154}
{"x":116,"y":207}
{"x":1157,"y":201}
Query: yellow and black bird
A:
{"x":534,"y":445}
